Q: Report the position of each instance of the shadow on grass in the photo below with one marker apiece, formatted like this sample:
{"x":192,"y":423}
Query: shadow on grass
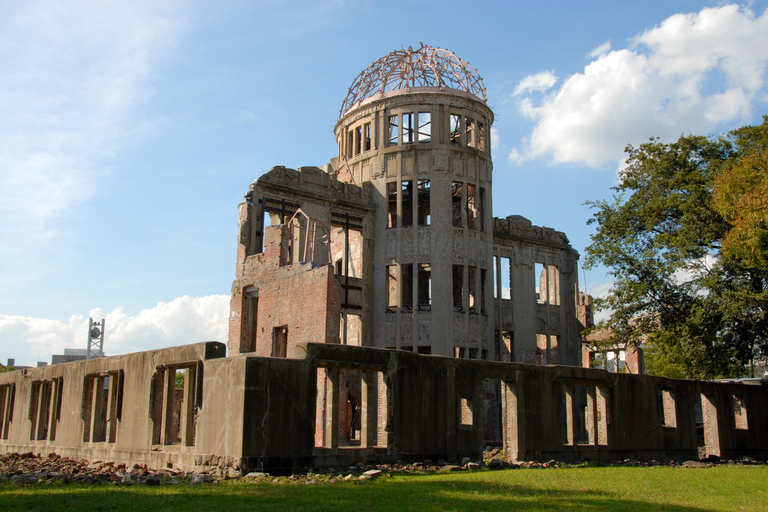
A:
{"x":396,"y":494}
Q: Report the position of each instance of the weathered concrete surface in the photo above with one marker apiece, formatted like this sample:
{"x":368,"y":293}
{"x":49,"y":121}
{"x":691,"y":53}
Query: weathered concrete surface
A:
{"x":260,"y":413}
{"x":68,"y":423}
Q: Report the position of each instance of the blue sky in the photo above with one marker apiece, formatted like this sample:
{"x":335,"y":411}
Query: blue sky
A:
{"x":129,"y":131}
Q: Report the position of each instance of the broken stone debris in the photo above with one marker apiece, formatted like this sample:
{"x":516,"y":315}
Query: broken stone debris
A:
{"x":28,"y":468}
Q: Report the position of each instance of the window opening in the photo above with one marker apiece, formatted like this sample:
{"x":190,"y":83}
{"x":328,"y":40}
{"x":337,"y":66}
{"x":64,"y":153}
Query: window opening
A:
{"x":456,"y":198}
{"x":175,"y":398}
{"x":358,"y":140}
{"x":469,"y":131}
{"x":351,"y":408}
{"x":424,"y":350}
{"x":367,"y":137}
{"x":425,"y":286}
{"x":668,"y":413}
{"x":586,"y":415}
{"x":251,"y":304}
{"x":352,"y":329}
{"x":392,"y":205}
{"x":739,"y":413}
{"x":425,"y":127}
{"x":471,"y":209}
{"x":392,"y":130}
{"x":350,"y":143}
{"x":553,"y":285}
{"x":506,"y":278}
{"x":408,"y":128}
{"x":473,"y":353}
{"x":280,"y":341}
{"x":99,"y":408}
{"x":472,"y":286}
{"x":455,"y":129}
{"x":392,"y":287}
{"x":407,"y":288}
{"x":45,"y":409}
{"x":458,"y":352}
{"x":466,"y":413}
{"x":458,"y":288}
{"x":423,"y":203}
{"x":406,"y":196}
{"x":480,"y":136}
{"x":541,"y":283}
{"x":509,"y":345}
{"x":7,"y":399}
{"x":542,"y":341}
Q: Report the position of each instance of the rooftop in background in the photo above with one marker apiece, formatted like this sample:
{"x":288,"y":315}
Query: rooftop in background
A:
{"x":403,"y":70}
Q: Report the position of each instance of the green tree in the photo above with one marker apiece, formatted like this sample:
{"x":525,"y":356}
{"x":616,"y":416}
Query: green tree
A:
{"x":741,"y":197}
{"x":698,"y":312}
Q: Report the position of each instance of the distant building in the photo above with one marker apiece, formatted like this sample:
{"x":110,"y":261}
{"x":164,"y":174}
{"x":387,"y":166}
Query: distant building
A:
{"x":73,"y":354}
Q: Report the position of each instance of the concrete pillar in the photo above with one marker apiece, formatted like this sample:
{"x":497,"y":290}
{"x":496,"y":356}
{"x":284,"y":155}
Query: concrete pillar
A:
{"x":332,"y":409}
{"x":96,"y":408}
{"x":368,"y":411}
{"x":570,"y":430}
{"x":168,"y":403}
{"x":188,"y":408}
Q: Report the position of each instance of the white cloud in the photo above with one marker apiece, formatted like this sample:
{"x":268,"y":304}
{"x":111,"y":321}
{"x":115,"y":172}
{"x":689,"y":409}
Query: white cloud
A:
{"x":72,"y":74}
{"x":689,"y":74}
{"x":603,"y":48}
{"x":182,"y":321}
{"x":539,"y":82}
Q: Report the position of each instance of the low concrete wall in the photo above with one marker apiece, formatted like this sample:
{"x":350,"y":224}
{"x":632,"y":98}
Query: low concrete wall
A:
{"x":340,"y":404}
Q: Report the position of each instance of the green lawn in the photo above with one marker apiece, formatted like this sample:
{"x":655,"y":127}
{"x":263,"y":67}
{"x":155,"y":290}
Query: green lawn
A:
{"x":726,"y":488}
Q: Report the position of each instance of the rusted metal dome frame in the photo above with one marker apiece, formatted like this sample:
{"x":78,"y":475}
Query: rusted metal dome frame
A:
{"x":407,"y":69}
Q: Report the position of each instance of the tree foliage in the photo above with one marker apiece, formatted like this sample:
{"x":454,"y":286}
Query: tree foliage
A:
{"x":741,"y":197}
{"x":680,"y":288}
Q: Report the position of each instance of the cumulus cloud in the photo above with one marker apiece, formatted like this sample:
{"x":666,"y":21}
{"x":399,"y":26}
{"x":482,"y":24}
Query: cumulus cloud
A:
{"x":181,"y":321}
{"x":603,"y":48}
{"x":72,"y":74}
{"x":539,"y":82}
{"x":689,"y":74}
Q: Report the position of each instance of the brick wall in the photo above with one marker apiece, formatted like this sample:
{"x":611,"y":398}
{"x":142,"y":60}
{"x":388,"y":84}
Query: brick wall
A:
{"x":303,"y":297}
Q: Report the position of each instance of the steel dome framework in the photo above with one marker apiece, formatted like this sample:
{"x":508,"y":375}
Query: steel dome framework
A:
{"x":406,"y":69}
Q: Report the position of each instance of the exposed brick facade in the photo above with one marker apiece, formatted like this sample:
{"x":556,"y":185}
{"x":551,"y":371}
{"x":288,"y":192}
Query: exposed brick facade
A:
{"x":302,"y":297}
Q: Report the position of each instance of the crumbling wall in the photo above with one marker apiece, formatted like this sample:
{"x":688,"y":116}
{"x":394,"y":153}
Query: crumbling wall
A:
{"x":305,"y":278}
{"x":262,"y":413}
{"x":539,"y":307}
{"x":111,"y":408}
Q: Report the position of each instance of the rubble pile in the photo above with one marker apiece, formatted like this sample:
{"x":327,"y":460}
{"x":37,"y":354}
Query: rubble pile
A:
{"x":29,"y":468}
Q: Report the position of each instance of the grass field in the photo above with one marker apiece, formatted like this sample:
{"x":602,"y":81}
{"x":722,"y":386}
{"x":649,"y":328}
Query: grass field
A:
{"x":676,"y":489}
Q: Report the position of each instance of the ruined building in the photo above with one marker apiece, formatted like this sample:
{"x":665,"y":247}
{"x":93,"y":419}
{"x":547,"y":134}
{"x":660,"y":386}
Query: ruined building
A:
{"x":403,"y":216}
{"x":380,"y":312}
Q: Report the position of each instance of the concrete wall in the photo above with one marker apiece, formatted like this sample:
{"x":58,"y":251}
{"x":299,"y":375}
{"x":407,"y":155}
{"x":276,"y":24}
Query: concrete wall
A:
{"x":264,"y":413}
{"x":56,"y":422}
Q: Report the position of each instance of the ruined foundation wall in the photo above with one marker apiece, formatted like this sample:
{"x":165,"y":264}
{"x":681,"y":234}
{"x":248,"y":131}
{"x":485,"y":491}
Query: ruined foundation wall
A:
{"x":120,"y":408}
{"x":259,"y":413}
